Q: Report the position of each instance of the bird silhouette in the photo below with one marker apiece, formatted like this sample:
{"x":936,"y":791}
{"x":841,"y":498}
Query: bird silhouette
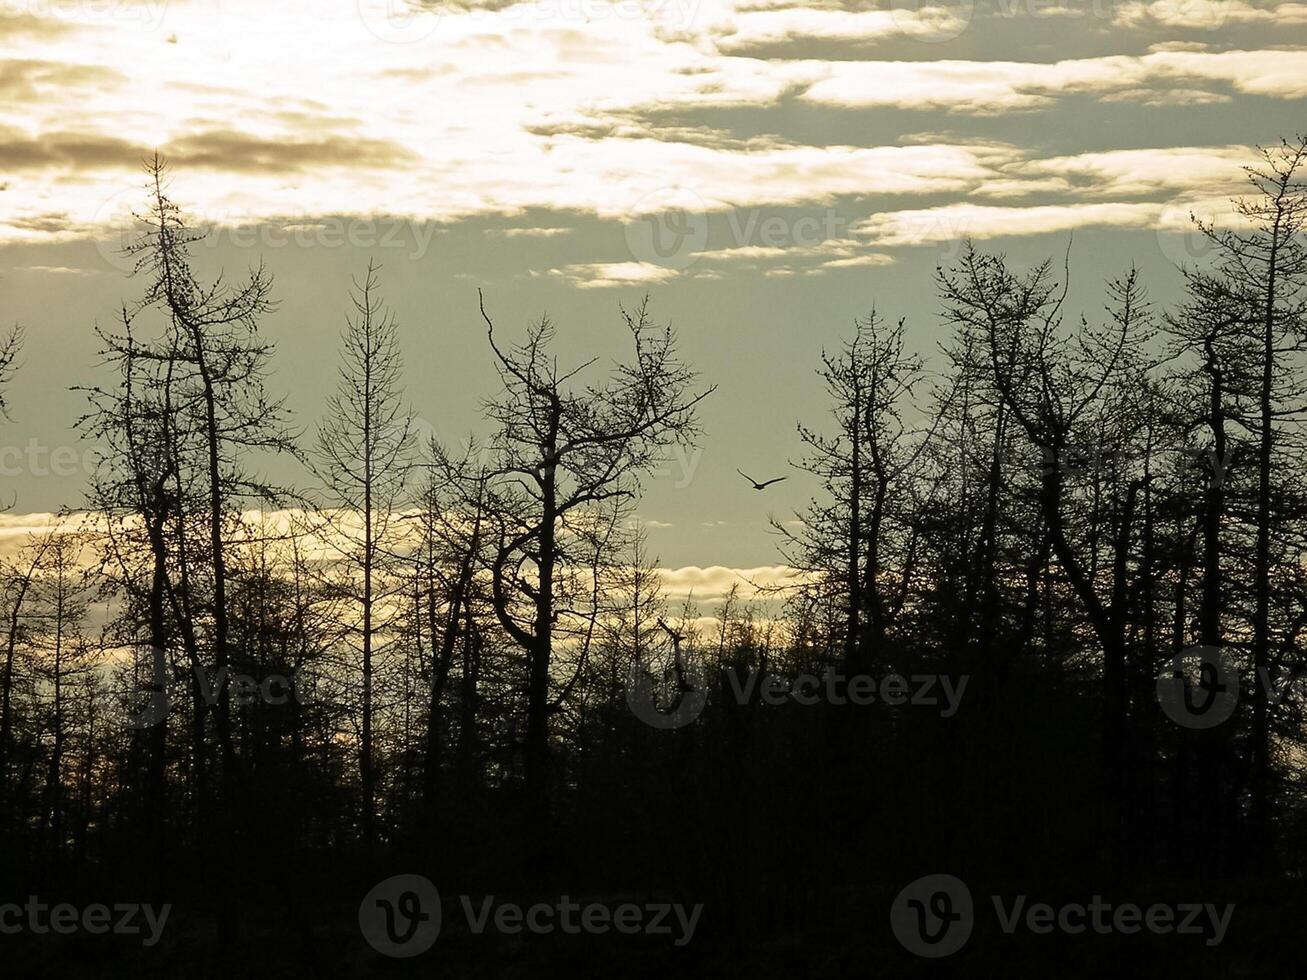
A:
{"x":756,"y":484}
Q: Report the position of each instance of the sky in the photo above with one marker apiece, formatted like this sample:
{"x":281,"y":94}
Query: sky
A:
{"x":766,"y":171}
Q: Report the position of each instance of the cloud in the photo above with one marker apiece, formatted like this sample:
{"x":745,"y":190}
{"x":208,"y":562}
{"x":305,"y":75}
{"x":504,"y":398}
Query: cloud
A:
{"x":994,"y":87}
{"x":14,"y":24}
{"x":866,"y":260}
{"x":1167,"y":97}
{"x":529,"y":232}
{"x":27,"y":80}
{"x":1205,"y":14}
{"x":955,"y":222}
{"x":1132,"y":173}
{"x":706,"y":584}
{"x":55,"y":270}
{"x":602,"y":116}
{"x":600,"y":275}
{"x":18,"y":530}
{"x":67,"y":150}
{"x":242,"y":152}
{"x":745,"y":29}
{"x":714,"y":582}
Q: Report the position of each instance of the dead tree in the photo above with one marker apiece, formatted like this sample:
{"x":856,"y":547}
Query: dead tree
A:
{"x":1260,"y":280}
{"x":565,"y":450}
{"x":363,"y":459}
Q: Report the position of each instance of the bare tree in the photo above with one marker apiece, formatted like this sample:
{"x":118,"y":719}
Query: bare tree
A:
{"x":364,"y":450}
{"x":64,"y":657}
{"x":17,"y":582}
{"x":1059,"y":389}
{"x":11,"y":344}
{"x":565,"y":451}
{"x":217,"y":364}
{"x":210,"y":362}
{"x":1260,"y":281}
{"x":860,"y":536}
{"x":136,"y":492}
{"x":447,"y":557}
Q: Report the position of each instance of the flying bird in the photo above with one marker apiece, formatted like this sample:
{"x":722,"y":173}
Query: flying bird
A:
{"x":756,"y":484}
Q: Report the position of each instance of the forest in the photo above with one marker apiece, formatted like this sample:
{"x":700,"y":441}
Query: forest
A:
{"x":1046,"y":634}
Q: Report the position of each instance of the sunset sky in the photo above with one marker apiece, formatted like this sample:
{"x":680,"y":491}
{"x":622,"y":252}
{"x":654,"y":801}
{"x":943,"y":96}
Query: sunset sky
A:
{"x":766,"y":171}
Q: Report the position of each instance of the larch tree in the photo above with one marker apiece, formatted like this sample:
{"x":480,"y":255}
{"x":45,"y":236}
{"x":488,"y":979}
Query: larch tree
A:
{"x":858,"y":538}
{"x":363,"y":458}
{"x":1260,"y":279}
